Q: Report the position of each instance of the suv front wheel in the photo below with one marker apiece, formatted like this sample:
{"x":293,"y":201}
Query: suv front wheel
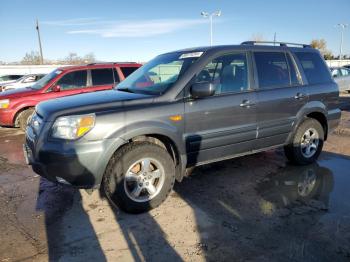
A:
{"x":139,"y":177}
{"x":307,"y":143}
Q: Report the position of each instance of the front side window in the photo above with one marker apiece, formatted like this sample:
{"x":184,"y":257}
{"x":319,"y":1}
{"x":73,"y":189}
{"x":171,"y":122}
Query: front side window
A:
{"x":46,"y":79}
{"x":228,"y":73}
{"x":335,"y":72}
{"x":29,"y":79}
{"x":38,"y":77}
{"x":160,"y":74}
{"x":314,"y":67}
{"x":102,"y":77}
{"x":73,"y":80}
{"x":272,"y":69}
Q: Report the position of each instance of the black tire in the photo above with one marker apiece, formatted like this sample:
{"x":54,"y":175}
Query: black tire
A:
{"x":294,"y":152}
{"x":114,"y":177}
{"x":23,"y":118}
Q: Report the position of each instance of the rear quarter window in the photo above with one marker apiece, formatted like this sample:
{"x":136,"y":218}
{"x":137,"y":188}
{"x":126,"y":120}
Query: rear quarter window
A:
{"x":314,"y":67}
{"x":128,"y":70}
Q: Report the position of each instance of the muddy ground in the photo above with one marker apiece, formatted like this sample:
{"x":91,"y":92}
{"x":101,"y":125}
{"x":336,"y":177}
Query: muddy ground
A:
{"x":253,"y":208}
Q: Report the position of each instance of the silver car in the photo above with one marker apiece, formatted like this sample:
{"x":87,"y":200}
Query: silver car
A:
{"x":342,"y":77}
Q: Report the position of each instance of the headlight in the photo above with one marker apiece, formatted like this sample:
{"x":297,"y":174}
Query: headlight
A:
{"x":72,"y":127}
{"x":4,"y":103}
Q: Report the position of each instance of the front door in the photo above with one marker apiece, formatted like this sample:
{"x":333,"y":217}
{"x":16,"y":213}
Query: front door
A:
{"x":71,"y":83}
{"x":224,"y":124}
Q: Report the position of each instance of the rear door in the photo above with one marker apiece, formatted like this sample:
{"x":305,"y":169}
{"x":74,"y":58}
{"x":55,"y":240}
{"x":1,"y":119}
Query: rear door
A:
{"x":222,"y":125}
{"x":280,"y":96}
{"x":101,"y":79}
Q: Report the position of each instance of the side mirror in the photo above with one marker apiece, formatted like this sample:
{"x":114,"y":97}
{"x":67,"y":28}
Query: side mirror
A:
{"x":203,"y":89}
{"x":56,"y":88}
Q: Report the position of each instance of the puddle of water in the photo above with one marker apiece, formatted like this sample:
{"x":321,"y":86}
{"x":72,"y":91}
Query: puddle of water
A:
{"x":322,"y":186}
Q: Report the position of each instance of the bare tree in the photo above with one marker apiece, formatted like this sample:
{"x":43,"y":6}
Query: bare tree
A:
{"x":321,"y":45}
{"x":32,"y":58}
{"x":89,"y":58}
{"x":257,"y":37}
{"x":75,"y":59}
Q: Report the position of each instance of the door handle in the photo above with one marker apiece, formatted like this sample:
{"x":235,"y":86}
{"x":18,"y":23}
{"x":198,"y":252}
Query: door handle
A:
{"x":246,"y":104}
{"x":299,"y":96}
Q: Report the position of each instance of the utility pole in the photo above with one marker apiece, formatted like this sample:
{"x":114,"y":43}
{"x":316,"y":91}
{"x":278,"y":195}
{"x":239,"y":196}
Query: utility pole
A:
{"x":342,"y":28}
{"x":210,"y":16}
{"x":40,"y":48}
{"x":274,"y":39}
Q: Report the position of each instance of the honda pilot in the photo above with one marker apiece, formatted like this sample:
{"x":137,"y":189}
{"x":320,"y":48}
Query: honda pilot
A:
{"x":184,"y":109}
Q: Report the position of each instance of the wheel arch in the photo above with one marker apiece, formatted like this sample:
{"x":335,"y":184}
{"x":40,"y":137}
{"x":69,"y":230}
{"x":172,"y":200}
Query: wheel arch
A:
{"x":15,"y":119}
{"x":169,"y":145}
{"x":319,"y":114}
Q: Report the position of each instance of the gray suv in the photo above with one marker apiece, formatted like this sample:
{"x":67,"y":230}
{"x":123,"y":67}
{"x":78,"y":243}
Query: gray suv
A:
{"x":184,"y":109}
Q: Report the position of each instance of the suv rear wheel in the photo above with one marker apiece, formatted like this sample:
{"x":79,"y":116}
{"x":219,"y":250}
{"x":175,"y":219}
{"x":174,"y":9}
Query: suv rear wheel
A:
{"x":307,"y":143}
{"x":139,"y":177}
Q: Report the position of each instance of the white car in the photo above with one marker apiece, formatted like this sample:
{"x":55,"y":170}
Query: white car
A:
{"x":24,"y":81}
{"x":342,"y":77}
{"x":6,"y":79}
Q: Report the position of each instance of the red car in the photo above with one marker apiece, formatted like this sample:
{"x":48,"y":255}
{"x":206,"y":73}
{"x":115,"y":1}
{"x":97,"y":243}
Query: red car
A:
{"x":17,"y":105}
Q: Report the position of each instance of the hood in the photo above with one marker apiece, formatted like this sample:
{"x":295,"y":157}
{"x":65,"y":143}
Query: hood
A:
{"x":18,"y":92}
{"x":89,"y":103}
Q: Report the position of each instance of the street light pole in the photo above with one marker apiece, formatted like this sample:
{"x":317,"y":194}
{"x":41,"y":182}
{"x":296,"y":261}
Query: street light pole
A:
{"x":210,"y":16}
{"x":342,"y":28}
{"x":40,"y":48}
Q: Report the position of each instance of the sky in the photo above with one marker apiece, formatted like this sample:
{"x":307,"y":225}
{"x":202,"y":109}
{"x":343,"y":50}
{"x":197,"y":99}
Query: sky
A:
{"x":137,"y":30}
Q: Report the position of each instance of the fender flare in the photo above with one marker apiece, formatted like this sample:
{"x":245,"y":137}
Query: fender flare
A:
{"x":310,"y":107}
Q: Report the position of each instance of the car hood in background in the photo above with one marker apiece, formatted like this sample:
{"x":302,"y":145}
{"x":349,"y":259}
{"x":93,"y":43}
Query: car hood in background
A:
{"x":17,"y":92}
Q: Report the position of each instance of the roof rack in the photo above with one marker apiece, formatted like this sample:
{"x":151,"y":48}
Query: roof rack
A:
{"x":110,"y":63}
{"x":275,"y":43}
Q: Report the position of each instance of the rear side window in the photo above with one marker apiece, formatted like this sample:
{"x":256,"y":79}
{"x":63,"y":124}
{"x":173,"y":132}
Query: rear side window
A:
{"x":128,"y":70}
{"x":73,"y":80}
{"x":102,"y":77}
{"x":345,"y":72}
{"x":272,"y":69}
{"x":314,"y":68}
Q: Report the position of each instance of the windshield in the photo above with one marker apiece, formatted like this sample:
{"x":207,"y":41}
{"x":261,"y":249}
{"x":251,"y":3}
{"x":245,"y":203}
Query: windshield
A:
{"x":46,"y":79}
{"x":159,"y":74}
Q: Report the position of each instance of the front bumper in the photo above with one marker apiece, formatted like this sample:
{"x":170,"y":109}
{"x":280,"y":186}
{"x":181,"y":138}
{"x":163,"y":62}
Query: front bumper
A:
{"x":6,"y":117}
{"x":78,"y":163}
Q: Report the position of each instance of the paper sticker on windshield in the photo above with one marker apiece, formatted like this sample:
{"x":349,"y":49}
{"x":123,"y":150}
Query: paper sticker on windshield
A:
{"x":188,"y":55}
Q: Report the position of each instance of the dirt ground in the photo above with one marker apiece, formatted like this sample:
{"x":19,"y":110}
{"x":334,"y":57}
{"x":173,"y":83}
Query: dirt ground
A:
{"x":253,"y":208}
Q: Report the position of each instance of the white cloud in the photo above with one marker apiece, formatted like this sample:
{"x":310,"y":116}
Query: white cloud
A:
{"x":141,"y":28}
{"x":74,"y":22}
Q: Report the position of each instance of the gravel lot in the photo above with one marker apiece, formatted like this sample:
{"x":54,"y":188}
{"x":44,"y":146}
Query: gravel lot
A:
{"x":254,"y":208}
